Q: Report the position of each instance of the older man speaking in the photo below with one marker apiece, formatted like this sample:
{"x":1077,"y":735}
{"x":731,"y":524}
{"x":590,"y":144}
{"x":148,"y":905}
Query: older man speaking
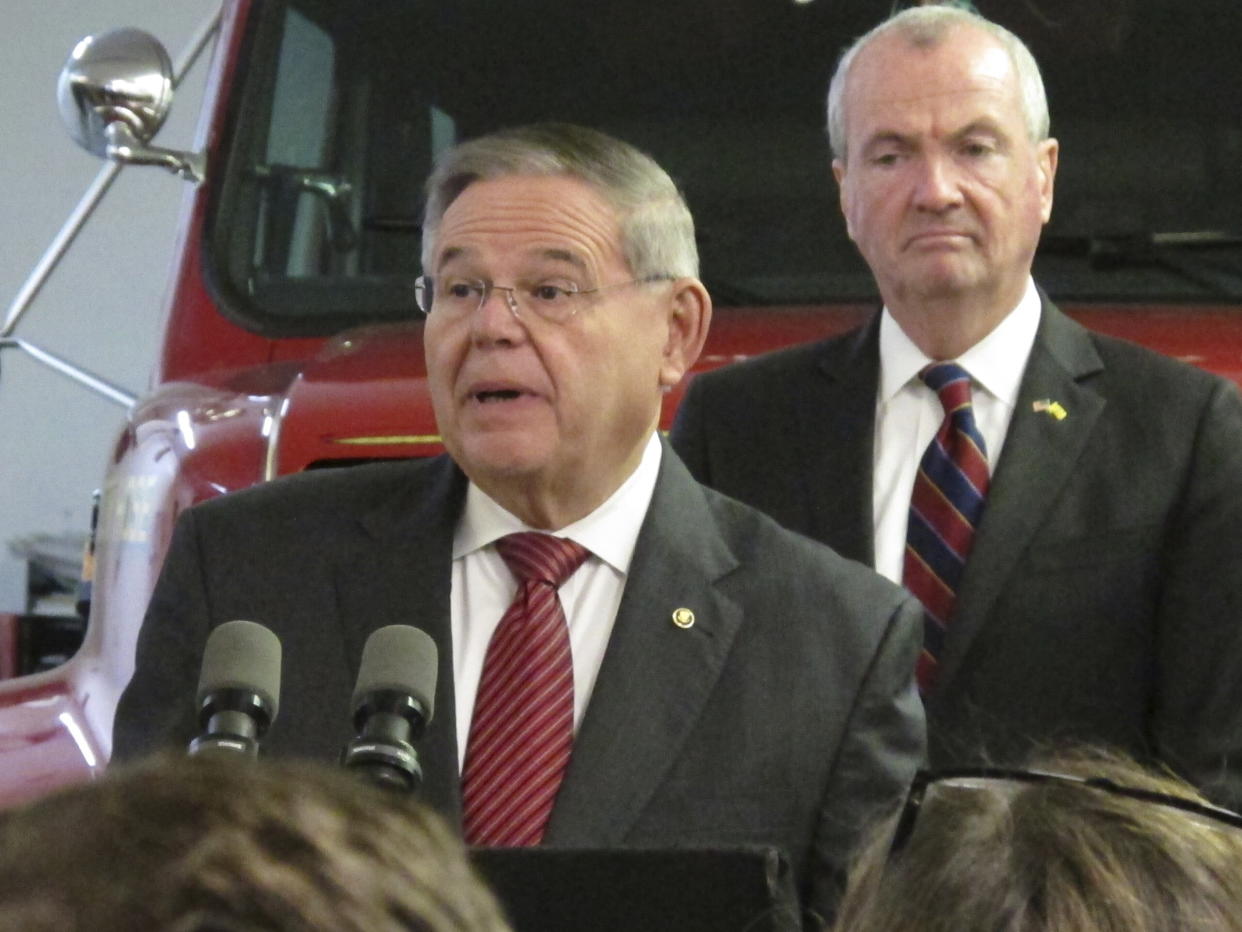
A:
{"x":626,"y":657}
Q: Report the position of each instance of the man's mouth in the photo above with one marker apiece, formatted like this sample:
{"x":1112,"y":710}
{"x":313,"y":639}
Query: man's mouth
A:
{"x":938,"y":236}
{"x":491,"y":396}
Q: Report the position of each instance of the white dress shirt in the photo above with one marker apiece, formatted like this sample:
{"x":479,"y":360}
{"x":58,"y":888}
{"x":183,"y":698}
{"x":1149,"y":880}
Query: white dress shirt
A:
{"x":483,"y":587}
{"x":908,"y":414}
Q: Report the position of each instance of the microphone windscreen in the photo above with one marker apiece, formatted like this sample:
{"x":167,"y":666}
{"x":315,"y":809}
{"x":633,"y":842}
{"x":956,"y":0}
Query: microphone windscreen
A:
{"x":400,"y":658}
{"x":242,"y":655}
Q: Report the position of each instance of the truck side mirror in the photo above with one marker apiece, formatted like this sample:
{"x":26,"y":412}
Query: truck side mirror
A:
{"x":114,"y":93}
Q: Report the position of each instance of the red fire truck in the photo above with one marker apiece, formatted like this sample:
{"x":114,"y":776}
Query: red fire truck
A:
{"x":292,"y":340}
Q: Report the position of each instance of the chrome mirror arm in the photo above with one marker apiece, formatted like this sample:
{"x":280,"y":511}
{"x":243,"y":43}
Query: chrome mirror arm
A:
{"x":96,"y":383}
{"x":124,"y":146}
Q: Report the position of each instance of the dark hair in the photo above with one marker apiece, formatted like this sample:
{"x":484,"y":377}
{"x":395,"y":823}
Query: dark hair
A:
{"x":1052,"y":857}
{"x":180,"y":844}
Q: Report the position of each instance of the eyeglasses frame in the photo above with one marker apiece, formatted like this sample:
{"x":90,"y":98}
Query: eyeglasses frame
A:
{"x":924,"y":779}
{"x":425,"y":285}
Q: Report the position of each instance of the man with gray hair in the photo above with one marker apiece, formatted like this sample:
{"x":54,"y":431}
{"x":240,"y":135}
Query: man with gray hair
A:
{"x":1068,"y":507}
{"x":626,"y":657}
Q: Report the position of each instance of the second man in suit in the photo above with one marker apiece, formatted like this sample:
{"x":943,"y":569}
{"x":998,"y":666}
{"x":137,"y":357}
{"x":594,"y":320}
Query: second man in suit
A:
{"x":1067,"y":506}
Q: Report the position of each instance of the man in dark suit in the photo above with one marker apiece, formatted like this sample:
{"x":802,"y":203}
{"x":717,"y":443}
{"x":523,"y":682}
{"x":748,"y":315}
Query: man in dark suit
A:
{"x":732,"y":682}
{"x":1098,"y":597}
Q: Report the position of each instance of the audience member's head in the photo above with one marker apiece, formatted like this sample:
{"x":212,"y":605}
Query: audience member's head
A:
{"x":196,"y":845}
{"x":1094,"y":849}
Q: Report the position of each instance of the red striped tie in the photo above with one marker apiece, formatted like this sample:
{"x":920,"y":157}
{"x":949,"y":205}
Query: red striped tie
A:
{"x":522,"y":729}
{"x":950,"y":491}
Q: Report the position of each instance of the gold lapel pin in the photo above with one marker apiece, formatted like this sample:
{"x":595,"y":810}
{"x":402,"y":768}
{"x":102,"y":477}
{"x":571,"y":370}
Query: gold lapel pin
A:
{"x":1050,"y":407}
{"x":683,"y":618}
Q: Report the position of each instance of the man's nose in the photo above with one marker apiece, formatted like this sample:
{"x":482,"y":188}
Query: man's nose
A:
{"x":937,"y":186}
{"x":496,"y":318}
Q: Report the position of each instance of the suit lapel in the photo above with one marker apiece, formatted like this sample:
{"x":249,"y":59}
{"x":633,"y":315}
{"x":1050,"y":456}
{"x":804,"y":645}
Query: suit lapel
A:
{"x":836,"y":433}
{"x":399,"y":573}
{"x":1038,"y":458}
{"x":655,"y":677}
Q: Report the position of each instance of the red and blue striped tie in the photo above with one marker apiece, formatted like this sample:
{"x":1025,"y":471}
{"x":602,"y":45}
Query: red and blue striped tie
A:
{"x":522,"y":729}
{"x":950,"y":491}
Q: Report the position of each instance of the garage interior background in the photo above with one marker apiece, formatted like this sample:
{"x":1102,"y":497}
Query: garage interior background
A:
{"x":102,"y":308}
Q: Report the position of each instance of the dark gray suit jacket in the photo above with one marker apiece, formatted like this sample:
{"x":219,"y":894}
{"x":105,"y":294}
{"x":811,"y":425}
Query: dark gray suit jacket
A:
{"x":785,"y":716}
{"x":1102,"y":601}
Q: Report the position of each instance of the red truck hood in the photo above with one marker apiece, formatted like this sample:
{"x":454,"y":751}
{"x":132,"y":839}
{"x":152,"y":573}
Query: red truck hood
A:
{"x":364,"y":395}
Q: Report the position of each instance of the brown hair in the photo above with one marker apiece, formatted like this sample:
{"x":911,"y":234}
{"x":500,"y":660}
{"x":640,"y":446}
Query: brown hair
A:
{"x":1052,"y":857}
{"x":181,"y":844}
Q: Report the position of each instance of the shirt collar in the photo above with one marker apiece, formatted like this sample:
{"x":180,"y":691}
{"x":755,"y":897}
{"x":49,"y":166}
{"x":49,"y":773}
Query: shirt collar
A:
{"x":996,"y":362}
{"x":610,"y":532}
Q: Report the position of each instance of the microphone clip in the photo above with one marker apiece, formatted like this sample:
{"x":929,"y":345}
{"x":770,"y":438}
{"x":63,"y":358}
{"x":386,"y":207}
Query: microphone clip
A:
{"x":388,"y":722}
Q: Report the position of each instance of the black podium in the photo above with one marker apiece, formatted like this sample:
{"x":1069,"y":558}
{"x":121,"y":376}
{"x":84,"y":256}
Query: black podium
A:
{"x":642,"y":890}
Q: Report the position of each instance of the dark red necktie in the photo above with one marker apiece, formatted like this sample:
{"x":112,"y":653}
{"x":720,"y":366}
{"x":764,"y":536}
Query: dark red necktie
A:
{"x":950,"y":491}
{"x":522,"y":729}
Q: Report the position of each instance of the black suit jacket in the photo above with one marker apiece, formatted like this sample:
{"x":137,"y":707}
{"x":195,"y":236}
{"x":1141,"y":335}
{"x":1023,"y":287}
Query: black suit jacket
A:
{"x":1102,"y":601}
{"x":785,"y":715}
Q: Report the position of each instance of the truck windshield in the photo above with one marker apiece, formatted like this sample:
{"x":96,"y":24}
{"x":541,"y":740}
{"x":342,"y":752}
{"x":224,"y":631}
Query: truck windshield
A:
{"x":341,"y":105}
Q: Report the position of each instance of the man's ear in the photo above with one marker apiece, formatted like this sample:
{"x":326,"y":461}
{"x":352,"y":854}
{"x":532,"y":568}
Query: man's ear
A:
{"x":838,"y":172}
{"x":689,"y":316}
{"x":1046,"y":158}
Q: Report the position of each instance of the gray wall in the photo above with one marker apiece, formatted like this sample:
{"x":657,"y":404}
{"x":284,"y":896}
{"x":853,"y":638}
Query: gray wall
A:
{"x":103,"y":307}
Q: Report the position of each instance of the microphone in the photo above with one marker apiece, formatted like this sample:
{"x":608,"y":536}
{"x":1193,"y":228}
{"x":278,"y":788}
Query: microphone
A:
{"x":238,"y":689}
{"x":392,"y":703}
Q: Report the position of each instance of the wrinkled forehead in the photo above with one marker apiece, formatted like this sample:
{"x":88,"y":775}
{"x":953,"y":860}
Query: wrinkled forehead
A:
{"x":554,"y":218}
{"x":893,"y":76}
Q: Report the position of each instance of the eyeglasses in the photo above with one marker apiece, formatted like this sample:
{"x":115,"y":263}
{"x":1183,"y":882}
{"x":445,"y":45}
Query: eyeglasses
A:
{"x":984,"y":778}
{"x":553,"y":299}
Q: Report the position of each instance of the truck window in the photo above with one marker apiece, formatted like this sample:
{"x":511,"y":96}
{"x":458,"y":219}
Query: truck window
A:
{"x":296,"y":151}
{"x":314,"y":220}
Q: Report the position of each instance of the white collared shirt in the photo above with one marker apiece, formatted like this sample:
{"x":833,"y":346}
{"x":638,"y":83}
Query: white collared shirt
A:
{"x":483,"y":587}
{"x":908,"y":414}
